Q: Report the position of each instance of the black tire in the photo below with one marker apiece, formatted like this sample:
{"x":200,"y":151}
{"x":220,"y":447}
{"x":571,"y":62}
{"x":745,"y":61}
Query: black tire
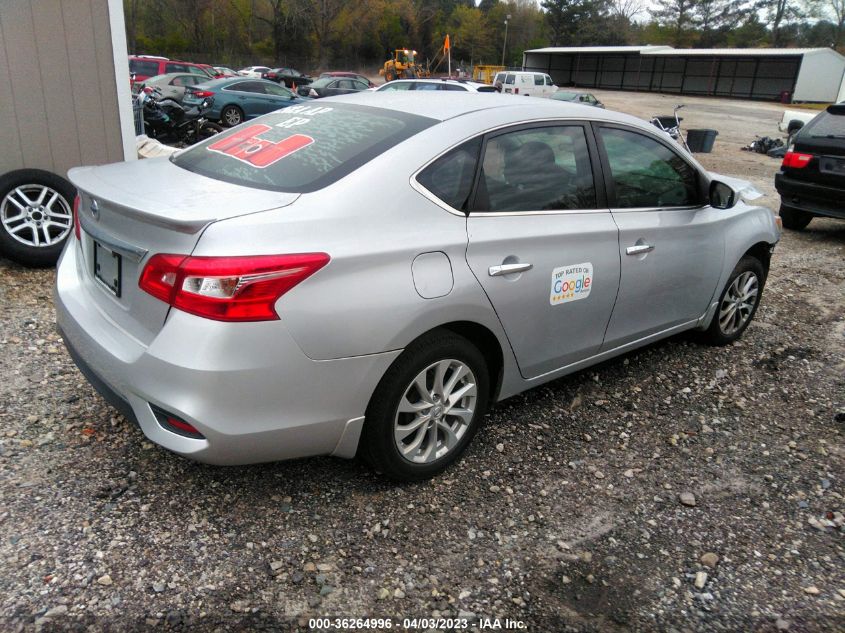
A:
{"x":716,"y":334}
{"x":231,"y":116}
{"x":209,"y":129}
{"x":11,"y":246}
{"x":794,"y":219}
{"x":378,"y":446}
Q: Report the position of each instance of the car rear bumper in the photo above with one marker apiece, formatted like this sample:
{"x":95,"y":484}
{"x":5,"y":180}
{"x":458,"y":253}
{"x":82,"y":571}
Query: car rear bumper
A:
{"x":811,"y":197}
{"x":247,"y":387}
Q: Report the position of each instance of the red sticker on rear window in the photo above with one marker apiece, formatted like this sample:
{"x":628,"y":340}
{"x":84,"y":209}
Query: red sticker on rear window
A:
{"x":247,"y":146}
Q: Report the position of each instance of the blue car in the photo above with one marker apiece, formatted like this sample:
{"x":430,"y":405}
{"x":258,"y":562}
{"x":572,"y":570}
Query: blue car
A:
{"x":238,"y":99}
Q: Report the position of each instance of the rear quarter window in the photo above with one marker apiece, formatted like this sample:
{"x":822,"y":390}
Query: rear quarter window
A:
{"x":825,"y":125}
{"x":302,"y":148}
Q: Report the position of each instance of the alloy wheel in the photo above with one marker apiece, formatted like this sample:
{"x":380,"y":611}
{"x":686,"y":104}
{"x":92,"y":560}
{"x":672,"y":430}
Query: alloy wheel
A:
{"x":233,"y":117}
{"x":435,"y":411}
{"x":738,"y":303}
{"x":36,"y":215}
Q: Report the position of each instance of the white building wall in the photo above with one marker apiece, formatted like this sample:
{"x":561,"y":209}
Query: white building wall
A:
{"x":820,"y":77}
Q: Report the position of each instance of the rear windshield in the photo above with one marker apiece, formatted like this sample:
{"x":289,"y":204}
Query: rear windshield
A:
{"x":825,"y":125}
{"x":302,"y":148}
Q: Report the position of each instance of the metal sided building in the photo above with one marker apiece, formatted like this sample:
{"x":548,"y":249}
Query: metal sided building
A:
{"x":64,"y":85}
{"x":804,"y":74}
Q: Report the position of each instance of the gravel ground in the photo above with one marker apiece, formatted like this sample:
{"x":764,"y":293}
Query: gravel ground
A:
{"x":679,"y":488}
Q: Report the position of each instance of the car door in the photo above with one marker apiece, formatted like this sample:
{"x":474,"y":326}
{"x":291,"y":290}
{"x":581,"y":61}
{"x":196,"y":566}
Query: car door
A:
{"x":510,"y":83}
{"x":671,"y":242}
{"x":176,"y":88}
{"x":249,"y":95}
{"x":543,"y":244}
{"x":279,"y":96}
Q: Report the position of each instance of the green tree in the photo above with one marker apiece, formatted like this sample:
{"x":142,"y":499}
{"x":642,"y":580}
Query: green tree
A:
{"x":469,"y":33}
{"x":678,"y":17}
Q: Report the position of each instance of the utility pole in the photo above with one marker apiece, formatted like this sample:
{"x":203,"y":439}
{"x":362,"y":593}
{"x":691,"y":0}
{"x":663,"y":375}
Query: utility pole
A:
{"x":505,"y":44}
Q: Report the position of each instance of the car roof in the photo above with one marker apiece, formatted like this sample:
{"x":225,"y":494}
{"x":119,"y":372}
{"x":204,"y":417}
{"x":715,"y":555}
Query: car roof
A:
{"x":438,"y":80}
{"x":442,"y":105}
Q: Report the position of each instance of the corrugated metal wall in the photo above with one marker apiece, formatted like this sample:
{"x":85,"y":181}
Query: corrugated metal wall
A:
{"x":742,"y":76}
{"x":58,"y":96}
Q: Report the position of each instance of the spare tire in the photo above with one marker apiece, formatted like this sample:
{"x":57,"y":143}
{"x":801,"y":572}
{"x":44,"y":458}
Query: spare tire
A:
{"x":36,"y":216}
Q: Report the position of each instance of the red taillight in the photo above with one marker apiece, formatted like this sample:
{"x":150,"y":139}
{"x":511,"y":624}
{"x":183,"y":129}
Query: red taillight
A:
{"x":76,"y":227}
{"x":796,"y":160}
{"x":228,"y":288}
{"x":202,"y":94}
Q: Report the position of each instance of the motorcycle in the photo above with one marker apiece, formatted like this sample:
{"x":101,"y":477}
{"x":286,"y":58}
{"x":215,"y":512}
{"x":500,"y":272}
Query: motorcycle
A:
{"x":167,"y":121}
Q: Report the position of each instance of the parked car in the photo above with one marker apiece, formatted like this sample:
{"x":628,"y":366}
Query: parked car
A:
{"x":456,"y":85}
{"x":811,"y":180}
{"x":145,"y":66}
{"x":527,"y":84}
{"x":211,"y":70}
{"x":225,"y":71}
{"x":253,"y":71}
{"x":238,"y":99}
{"x":173,"y":85}
{"x":332,"y":87}
{"x":208,"y":310}
{"x":350,"y":75}
{"x":576,"y":97}
{"x":289,"y":77}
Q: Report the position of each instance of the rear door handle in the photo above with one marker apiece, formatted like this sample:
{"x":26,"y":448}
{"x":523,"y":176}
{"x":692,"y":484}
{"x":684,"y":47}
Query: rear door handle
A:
{"x":508,"y":269}
{"x":639,"y":249}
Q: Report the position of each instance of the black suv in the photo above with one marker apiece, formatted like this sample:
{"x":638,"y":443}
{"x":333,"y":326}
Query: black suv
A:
{"x":811,"y":180}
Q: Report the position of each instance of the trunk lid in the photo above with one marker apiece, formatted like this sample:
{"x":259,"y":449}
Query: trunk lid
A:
{"x":131,"y":211}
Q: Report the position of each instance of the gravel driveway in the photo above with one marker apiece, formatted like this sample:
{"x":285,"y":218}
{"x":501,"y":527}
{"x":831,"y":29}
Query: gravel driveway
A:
{"x":681,"y":487}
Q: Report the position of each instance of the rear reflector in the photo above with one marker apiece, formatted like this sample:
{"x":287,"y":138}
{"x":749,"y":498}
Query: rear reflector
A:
{"x":796,"y":160}
{"x":228,"y":288}
{"x":170,"y":422}
{"x":76,"y":227}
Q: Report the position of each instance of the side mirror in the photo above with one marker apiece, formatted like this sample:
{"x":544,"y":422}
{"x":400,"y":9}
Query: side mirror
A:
{"x":721,"y":195}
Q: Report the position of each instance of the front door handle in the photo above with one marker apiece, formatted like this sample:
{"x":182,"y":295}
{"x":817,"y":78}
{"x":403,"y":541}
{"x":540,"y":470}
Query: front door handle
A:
{"x":508,"y":269}
{"x":639,"y":249}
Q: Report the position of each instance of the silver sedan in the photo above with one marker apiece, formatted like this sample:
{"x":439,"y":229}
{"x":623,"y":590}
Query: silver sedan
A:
{"x":365,"y":275}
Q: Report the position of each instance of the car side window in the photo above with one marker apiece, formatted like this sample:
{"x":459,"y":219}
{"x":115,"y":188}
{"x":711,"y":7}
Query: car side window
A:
{"x":450,"y":176}
{"x":549,"y":81}
{"x":537,"y":169}
{"x":359,"y":85}
{"x":646,"y":173}
{"x":453,"y":87}
{"x":538,"y":80}
{"x":422,"y":85}
{"x":276,"y":91}
{"x":509,"y":79}
{"x":143,"y":68}
{"x":183,"y":80}
{"x":176,"y":68}
{"x":251,"y":86}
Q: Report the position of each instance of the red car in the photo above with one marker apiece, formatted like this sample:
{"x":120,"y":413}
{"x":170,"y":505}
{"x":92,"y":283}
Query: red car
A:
{"x":351,"y":75}
{"x":146,"y":66}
